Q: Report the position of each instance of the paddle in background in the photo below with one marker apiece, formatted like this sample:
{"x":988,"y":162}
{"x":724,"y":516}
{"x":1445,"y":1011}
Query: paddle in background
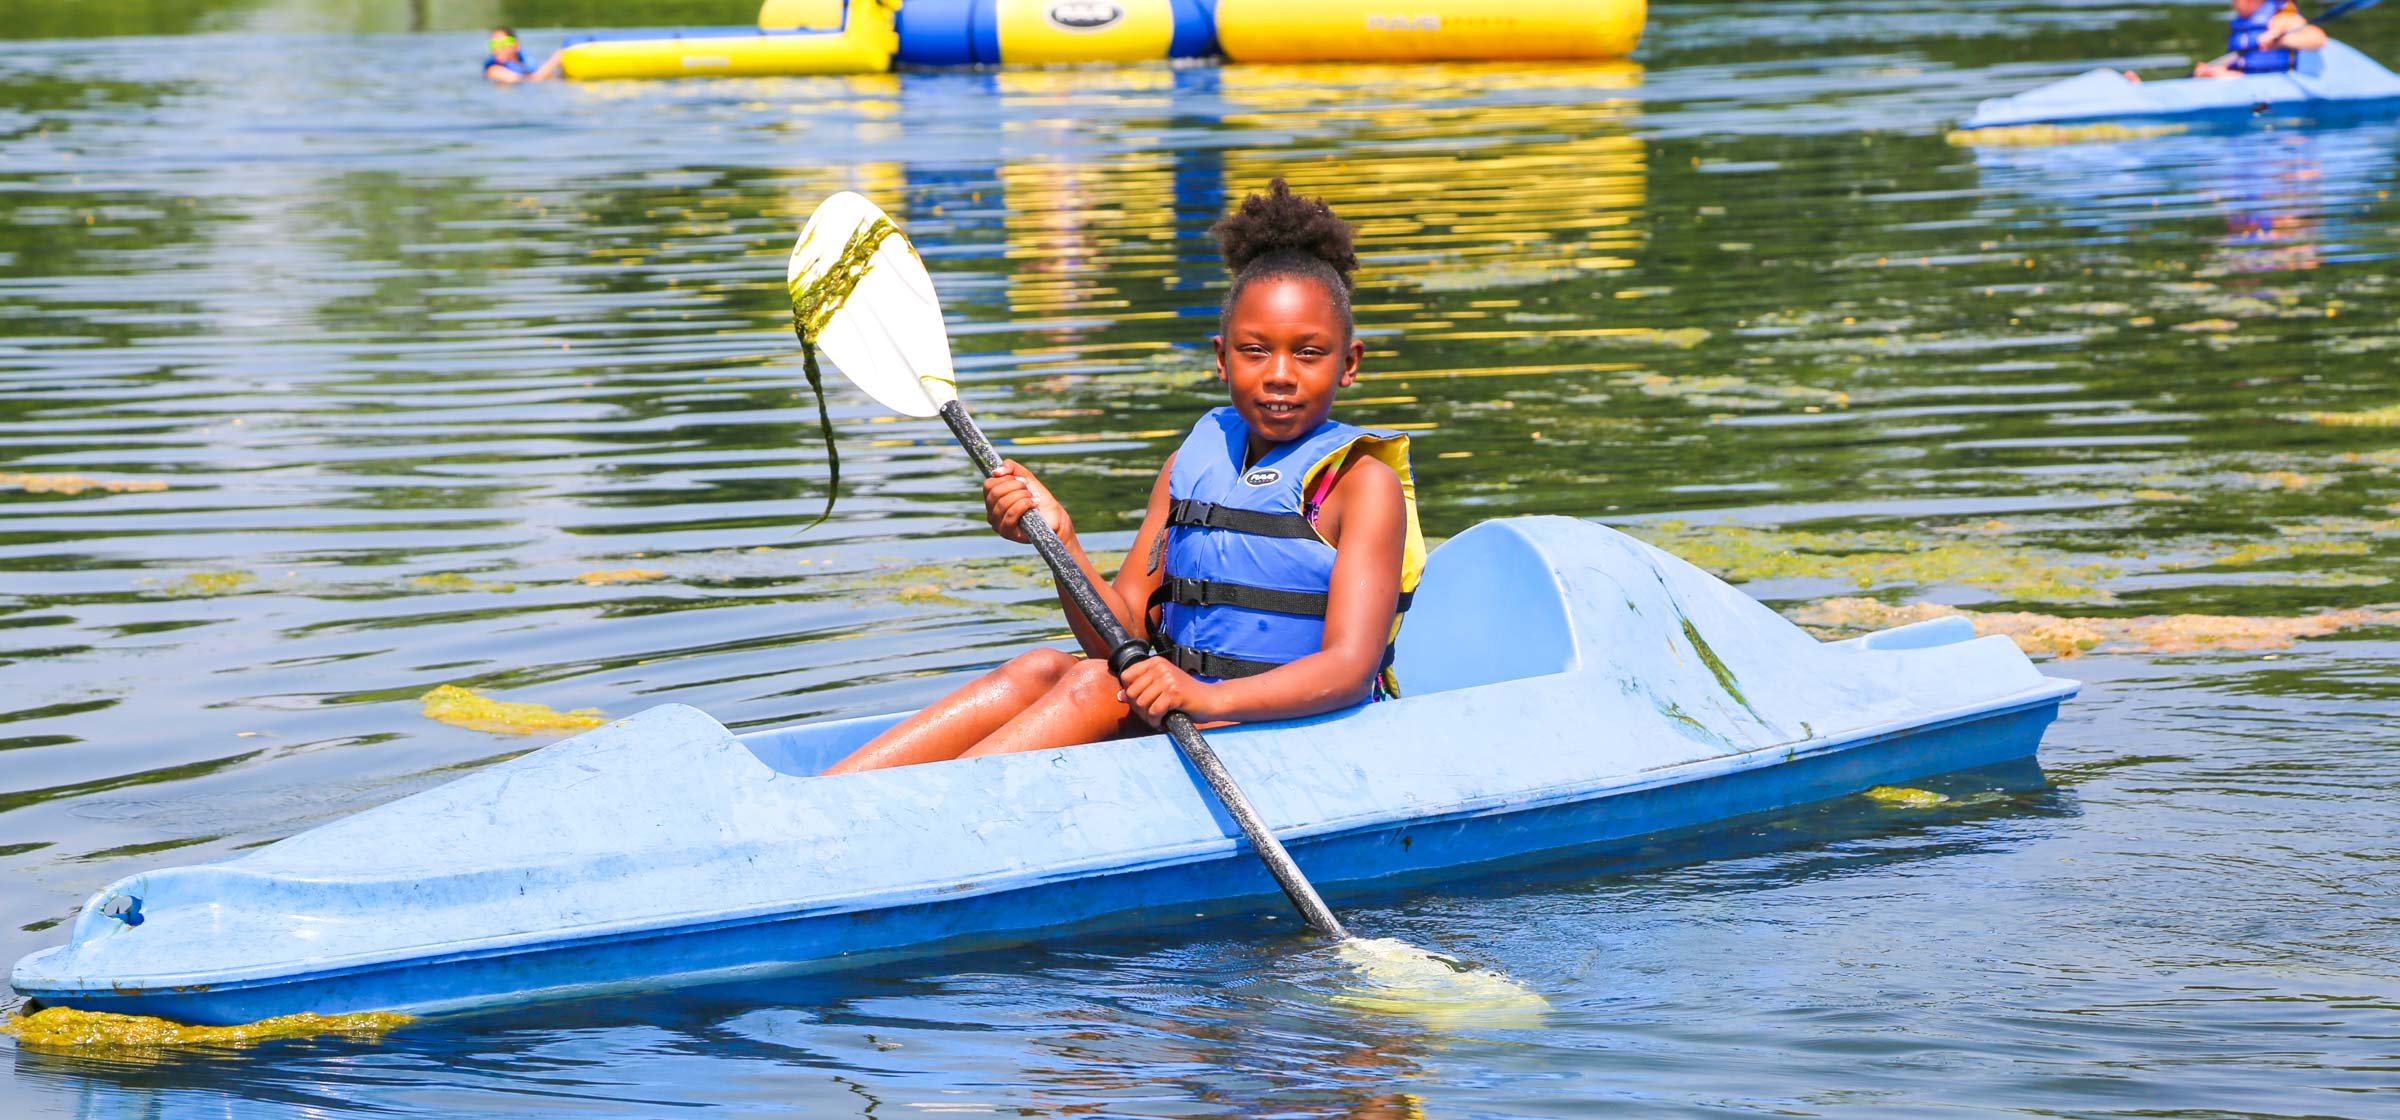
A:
{"x":2331,"y":14}
{"x":860,"y":293}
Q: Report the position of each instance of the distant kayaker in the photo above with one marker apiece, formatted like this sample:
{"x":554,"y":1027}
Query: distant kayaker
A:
{"x":2267,"y":37}
{"x":1278,"y":548}
{"x":507,"y":65}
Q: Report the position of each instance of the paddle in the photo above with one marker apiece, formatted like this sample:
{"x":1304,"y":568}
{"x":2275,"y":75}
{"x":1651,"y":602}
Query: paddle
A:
{"x":859,"y":291}
{"x":2331,"y":14}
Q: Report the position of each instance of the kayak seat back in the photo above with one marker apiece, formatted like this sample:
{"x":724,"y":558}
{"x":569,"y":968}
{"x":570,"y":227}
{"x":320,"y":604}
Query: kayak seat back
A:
{"x":1489,"y":609}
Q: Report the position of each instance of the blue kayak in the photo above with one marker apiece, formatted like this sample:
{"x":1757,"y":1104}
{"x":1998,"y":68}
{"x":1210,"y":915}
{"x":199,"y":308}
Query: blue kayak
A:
{"x":2331,"y":81}
{"x":1569,"y":688}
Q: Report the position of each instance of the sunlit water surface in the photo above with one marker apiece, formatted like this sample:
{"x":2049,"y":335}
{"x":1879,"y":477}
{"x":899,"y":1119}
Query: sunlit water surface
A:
{"x":382,"y":361}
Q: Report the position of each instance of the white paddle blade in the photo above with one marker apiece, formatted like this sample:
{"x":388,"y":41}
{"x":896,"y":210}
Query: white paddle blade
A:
{"x":885,"y":330}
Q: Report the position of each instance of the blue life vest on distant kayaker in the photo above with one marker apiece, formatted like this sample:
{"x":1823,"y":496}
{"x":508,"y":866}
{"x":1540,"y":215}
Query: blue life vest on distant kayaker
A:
{"x":517,"y":65}
{"x":2242,"y":39}
{"x":1247,"y":575}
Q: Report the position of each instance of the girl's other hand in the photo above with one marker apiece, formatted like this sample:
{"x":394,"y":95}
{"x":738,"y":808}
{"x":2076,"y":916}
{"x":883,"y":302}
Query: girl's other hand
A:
{"x":1009,"y":494}
{"x":1153,"y":686}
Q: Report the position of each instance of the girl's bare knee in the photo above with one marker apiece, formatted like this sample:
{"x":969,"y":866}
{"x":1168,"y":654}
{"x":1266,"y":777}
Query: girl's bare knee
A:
{"x":1088,"y":681}
{"x":1039,"y":669}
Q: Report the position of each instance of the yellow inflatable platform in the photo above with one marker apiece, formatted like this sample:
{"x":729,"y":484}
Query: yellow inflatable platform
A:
{"x":870,"y":36}
{"x":804,"y":37}
{"x":1427,"y":31}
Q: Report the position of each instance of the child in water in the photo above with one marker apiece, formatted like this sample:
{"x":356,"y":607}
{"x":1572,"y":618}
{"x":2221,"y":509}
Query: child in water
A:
{"x":508,"y":65}
{"x":1275,"y":557}
{"x":2267,"y":36}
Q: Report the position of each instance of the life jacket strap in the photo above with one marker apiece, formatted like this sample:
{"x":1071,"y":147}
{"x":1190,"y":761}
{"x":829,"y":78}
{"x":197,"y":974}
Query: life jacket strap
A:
{"x":1192,"y":513}
{"x":1217,"y":593}
{"x":1208,"y":663}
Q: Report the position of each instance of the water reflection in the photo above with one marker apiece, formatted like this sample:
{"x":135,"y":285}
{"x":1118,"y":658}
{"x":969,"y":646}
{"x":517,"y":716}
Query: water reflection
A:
{"x":2288,"y":199}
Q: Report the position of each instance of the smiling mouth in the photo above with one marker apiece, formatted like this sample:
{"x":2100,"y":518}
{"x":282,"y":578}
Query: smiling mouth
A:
{"x":1279,"y":408}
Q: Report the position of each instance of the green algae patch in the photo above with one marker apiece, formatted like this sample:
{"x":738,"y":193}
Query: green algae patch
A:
{"x":2059,"y":637}
{"x":203,"y":584}
{"x":2385,"y":417}
{"x":456,"y":581}
{"x":2044,"y":135}
{"x":103,"y":1033}
{"x":1732,"y":392}
{"x":620,"y":575}
{"x":1904,"y":797}
{"x":1877,"y":558}
{"x":2261,"y":552}
{"x":464,"y":707}
{"x":959,"y":583}
{"x":77,"y":484}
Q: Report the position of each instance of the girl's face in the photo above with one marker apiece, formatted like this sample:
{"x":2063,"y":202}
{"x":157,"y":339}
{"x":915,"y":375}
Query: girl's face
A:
{"x":2243,"y":8}
{"x":1284,"y":354}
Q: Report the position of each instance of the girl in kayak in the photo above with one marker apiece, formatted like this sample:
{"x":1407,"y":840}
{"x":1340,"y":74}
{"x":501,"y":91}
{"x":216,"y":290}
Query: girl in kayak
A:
{"x":2267,"y":37}
{"x":1275,"y":557}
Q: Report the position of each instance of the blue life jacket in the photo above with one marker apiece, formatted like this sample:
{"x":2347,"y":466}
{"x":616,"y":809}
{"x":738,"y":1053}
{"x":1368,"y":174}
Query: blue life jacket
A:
{"x":1247,"y":576}
{"x":519,"y":64}
{"x":2242,"y":39}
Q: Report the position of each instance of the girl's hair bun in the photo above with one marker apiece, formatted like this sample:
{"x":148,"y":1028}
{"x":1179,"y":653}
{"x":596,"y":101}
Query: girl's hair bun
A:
{"x":1280,"y":223}
{"x":1283,"y":234}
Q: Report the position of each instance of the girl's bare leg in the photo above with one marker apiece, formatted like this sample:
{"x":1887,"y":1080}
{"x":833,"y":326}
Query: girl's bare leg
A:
{"x":946,"y":728}
{"x":1081,"y":708}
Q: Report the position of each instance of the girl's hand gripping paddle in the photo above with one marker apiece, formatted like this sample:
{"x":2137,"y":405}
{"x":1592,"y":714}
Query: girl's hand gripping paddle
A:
{"x":860,"y":293}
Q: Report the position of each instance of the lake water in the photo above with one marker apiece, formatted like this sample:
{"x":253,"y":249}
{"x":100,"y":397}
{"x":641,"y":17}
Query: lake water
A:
{"x":390,"y":369}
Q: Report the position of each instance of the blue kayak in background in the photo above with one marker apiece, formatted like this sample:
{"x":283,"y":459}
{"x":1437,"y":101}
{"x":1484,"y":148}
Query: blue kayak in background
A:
{"x":2334,"y":80}
{"x":1569,"y":689}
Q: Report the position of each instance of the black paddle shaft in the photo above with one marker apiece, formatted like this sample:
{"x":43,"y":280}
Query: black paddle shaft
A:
{"x":1124,"y":651}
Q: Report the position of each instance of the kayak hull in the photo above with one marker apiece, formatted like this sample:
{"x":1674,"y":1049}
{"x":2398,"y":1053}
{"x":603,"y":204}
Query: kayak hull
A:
{"x":2334,"y":80}
{"x":774,"y":871}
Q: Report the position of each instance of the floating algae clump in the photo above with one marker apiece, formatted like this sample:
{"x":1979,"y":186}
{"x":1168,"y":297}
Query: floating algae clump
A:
{"x":463,"y":707}
{"x":454,"y":581}
{"x":620,"y":575}
{"x":1731,"y":391}
{"x":77,"y":484}
{"x":64,"y":1028}
{"x":1874,"y":558}
{"x":2069,"y":637}
{"x":2259,"y":552}
{"x":2040,"y":135}
{"x":208,"y":583}
{"x":1903,"y":797}
{"x":2386,"y":417}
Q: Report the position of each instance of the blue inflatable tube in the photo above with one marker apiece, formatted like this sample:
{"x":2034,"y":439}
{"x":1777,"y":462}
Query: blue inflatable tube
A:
{"x":991,"y":32}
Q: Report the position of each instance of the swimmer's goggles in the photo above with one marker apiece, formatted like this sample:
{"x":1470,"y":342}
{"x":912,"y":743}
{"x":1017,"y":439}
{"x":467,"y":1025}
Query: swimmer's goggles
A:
{"x":499,"y":41}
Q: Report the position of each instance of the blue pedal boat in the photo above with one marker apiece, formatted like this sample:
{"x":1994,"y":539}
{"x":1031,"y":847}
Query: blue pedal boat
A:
{"x":2332,"y":82}
{"x":1568,"y":688}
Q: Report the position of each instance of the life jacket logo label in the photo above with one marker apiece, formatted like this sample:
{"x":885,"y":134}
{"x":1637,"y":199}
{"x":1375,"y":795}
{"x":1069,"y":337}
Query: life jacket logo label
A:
{"x":1263,"y":476}
{"x":1085,"y":15}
